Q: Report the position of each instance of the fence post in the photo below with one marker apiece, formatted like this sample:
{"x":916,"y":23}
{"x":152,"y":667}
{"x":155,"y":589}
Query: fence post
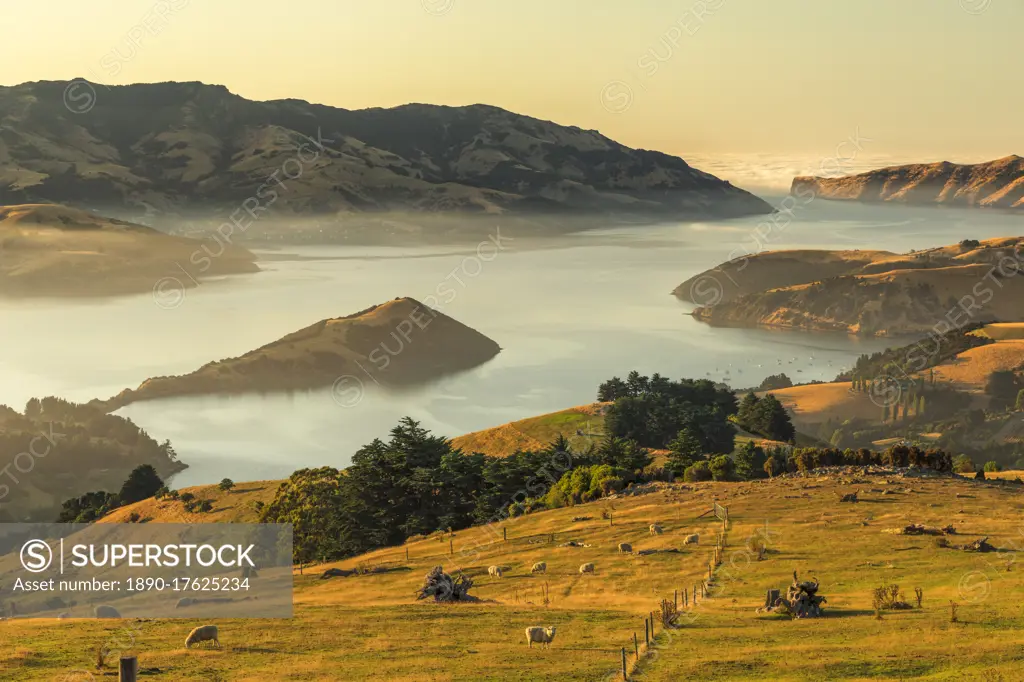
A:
{"x":451,"y":547}
{"x":647,"y":632}
{"x":624,"y":664}
{"x":406,"y":553}
{"x":128,"y":669}
{"x":504,"y":534}
{"x":675,"y":599}
{"x":636,"y":647}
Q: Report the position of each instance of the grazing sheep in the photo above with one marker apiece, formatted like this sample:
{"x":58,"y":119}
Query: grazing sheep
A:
{"x":542,"y":636}
{"x":587,"y":568}
{"x":692,"y":539}
{"x":655,"y":529}
{"x":539,"y":567}
{"x":495,"y":571}
{"x":625,"y":548}
{"x":104,"y":611}
{"x":203,"y":633}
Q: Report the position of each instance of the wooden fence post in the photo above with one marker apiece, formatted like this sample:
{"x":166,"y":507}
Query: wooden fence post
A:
{"x":636,"y":647}
{"x":451,"y":547}
{"x":128,"y":670}
{"x":406,"y":553}
{"x":504,"y":534}
{"x":624,"y":664}
{"x":675,"y":599}
{"x":647,"y":632}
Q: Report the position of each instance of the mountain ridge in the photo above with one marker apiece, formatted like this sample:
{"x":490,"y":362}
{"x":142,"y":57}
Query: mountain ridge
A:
{"x":174,"y":147}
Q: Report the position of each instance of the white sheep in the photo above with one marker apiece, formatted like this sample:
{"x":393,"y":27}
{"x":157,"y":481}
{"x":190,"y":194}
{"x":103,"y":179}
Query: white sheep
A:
{"x":692,"y":539}
{"x":587,"y":568}
{"x":539,"y":567}
{"x":655,"y":529}
{"x":625,"y":548}
{"x":495,"y":571}
{"x":203,"y":633}
{"x":542,"y":636}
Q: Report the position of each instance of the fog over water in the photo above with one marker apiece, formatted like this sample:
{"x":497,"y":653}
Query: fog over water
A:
{"x":568,"y":313}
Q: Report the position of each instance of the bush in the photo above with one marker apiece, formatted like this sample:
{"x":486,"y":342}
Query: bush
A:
{"x":583,"y":484}
{"x":206,"y":506}
{"x":187,"y":497}
{"x":962,"y":464}
{"x":992,"y":466}
{"x":722,"y":468}
{"x":699,"y":471}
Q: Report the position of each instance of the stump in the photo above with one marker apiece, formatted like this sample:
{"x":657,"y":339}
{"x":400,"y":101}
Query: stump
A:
{"x":801,"y":601}
{"x":444,"y":588}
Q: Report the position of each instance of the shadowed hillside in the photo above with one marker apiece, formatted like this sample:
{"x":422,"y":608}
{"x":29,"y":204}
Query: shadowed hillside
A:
{"x":180,"y":148}
{"x":51,"y":250}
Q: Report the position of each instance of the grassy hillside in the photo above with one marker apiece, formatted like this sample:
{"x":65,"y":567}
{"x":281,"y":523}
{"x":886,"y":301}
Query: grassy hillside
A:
{"x":577,"y":424}
{"x":371,"y":627}
{"x":237,"y":505}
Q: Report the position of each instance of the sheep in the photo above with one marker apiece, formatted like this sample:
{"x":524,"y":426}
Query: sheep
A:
{"x":203,"y":633}
{"x":539,"y":567}
{"x":692,"y":539}
{"x":495,"y":571}
{"x":104,"y":611}
{"x":586,"y":568}
{"x":655,"y":529}
{"x":625,"y":548}
{"x":542,"y":636}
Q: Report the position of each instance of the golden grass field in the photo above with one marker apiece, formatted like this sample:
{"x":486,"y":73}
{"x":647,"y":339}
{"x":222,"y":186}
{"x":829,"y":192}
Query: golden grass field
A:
{"x":370,"y":627}
{"x":815,"y":404}
{"x":536,"y":433}
{"x":970,"y":370}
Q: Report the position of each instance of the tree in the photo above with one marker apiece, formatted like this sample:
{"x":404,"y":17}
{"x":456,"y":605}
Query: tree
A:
{"x":747,"y":413}
{"x":1020,"y":399}
{"x":226,"y":484}
{"x":142,"y":483}
{"x":698,"y":471}
{"x":1002,"y":386}
{"x":750,"y":460}
{"x":684,"y":450}
{"x":962,"y":464}
{"x":992,"y":466}
{"x":774,"y":466}
{"x":186,"y":497}
{"x":722,"y":468}
{"x":774,"y":420}
{"x":623,"y":454}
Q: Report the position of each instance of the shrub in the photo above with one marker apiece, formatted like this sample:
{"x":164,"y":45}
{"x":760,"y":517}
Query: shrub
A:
{"x":583,"y":484}
{"x":187,"y":497}
{"x":206,"y":506}
{"x":992,"y":466}
{"x":722,"y":468}
{"x":962,"y":464}
{"x":699,"y":471}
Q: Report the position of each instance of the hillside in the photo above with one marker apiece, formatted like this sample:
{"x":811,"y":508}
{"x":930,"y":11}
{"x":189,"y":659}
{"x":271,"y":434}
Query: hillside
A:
{"x":867,"y":293}
{"x":238,"y":505}
{"x":52,"y":250}
{"x":371,"y":626}
{"x":179,"y":149}
{"x":996,"y":184}
{"x":398,"y":342}
{"x":75,"y":449}
{"x":580,"y":425}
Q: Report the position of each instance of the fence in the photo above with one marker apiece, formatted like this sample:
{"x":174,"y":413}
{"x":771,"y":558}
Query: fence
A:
{"x":680,"y":598}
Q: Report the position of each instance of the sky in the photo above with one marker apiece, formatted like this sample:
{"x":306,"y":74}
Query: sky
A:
{"x":922,"y":80}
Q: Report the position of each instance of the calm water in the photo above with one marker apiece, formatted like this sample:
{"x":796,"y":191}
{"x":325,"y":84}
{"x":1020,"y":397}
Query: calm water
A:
{"x":568,"y":315}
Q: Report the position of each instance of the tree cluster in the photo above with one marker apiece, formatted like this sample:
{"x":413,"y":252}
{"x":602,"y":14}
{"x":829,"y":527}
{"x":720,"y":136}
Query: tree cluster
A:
{"x":766,"y":417}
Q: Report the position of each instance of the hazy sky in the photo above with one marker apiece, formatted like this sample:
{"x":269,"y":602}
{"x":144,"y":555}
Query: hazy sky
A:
{"x":928,"y":79}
